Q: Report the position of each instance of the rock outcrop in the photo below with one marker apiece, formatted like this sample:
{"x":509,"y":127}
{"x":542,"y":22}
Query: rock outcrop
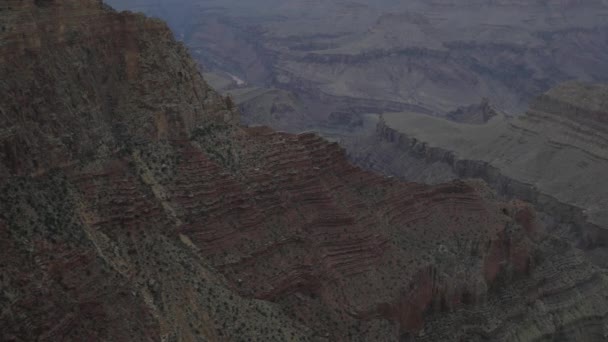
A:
{"x":133,"y":207}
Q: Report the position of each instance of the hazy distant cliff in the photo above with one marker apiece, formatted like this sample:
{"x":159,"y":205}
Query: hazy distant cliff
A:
{"x":553,"y":156}
{"x":433,"y":55}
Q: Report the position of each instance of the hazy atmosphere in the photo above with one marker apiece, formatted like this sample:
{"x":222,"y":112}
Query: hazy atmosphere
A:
{"x":303,"y":170}
{"x":426,"y":56}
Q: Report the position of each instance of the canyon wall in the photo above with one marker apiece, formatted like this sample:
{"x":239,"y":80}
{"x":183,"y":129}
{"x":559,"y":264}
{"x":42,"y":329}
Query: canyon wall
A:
{"x":134,"y":207}
{"x":80,"y":82}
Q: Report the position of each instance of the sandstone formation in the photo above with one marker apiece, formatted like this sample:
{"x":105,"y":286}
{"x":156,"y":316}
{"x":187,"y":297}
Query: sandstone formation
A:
{"x":134,"y":207}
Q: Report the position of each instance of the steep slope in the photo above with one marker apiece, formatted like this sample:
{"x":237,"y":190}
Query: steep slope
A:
{"x":133,"y":207}
{"x":67,"y":66}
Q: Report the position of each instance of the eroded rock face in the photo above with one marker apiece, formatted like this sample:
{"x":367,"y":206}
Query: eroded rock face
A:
{"x":154,"y":216}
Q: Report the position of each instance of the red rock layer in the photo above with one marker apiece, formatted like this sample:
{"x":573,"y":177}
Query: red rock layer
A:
{"x":298,"y":219}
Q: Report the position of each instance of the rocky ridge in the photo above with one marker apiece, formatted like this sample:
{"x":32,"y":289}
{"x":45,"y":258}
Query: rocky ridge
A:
{"x":133,"y":207}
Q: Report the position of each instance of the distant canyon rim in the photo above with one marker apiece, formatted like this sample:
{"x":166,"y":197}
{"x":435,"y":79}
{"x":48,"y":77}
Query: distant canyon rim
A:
{"x":314,"y":64}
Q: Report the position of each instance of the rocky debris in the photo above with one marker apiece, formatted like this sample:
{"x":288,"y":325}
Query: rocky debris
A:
{"x":165,"y":220}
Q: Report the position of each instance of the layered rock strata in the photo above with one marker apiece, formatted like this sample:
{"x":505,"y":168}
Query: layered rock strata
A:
{"x":133,"y":207}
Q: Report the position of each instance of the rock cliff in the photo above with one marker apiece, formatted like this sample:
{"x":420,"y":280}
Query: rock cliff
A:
{"x":134,"y":207}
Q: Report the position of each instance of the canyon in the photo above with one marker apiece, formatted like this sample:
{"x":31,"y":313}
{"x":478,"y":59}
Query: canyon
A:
{"x":306,"y":61}
{"x":135,"y":206}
